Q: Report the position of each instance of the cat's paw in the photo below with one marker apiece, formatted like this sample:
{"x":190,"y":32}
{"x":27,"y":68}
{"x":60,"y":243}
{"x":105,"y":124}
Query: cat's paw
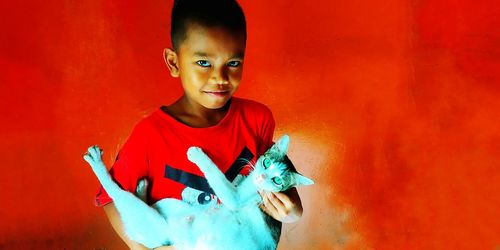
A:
{"x":195,"y":154}
{"x":142,"y":189}
{"x":93,"y":155}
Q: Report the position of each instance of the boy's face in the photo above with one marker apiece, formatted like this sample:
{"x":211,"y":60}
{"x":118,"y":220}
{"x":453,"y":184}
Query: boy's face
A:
{"x":210,"y":64}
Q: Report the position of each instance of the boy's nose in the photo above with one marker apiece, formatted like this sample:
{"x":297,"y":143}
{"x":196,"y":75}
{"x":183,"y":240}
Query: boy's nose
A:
{"x":220,"y":80}
{"x":219,"y":77}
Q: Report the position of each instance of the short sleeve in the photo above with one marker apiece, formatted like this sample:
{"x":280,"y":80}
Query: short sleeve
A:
{"x":130,"y":165}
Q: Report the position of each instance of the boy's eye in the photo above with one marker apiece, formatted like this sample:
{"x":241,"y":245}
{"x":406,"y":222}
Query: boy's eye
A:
{"x":234,"y":63}
{"x":277,"y":180}
{"x":266,"y":163}
{"x":203,"y":63}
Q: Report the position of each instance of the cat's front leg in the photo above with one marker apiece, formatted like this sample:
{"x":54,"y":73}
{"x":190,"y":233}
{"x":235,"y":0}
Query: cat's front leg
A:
{"x":198,"y":157}
{"x":224,"y":189}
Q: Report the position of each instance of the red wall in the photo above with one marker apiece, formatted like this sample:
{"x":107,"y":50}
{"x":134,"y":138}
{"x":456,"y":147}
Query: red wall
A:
{"x":392,"y":107}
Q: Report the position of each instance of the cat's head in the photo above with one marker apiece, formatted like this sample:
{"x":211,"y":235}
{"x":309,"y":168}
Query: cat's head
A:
{"x":274,"y":172}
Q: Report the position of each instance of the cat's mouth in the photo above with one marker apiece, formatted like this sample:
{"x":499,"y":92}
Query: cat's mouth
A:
{"x":259,"y":179}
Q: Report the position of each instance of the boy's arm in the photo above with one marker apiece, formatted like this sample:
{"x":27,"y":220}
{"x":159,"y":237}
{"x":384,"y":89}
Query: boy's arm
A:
{"x":285,"y":206}
{"x":115,"y":221}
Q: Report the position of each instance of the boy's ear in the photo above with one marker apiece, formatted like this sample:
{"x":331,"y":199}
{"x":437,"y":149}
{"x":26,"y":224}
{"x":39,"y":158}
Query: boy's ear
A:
{"x":172,"y":62}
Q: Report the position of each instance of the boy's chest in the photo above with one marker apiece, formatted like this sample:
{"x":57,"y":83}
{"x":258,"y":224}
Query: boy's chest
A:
{"x":172,"y":175}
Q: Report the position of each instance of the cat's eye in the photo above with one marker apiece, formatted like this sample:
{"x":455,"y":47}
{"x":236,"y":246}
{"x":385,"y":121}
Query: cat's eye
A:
{"x":277,"y":180}
{"x":266,"y":162}
{"x":203,"y":63}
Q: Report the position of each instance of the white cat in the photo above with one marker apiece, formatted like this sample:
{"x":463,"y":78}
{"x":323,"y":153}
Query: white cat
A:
{"x":236,"y":223}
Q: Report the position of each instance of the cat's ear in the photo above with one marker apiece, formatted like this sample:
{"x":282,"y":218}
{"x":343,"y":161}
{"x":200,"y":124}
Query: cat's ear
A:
{"x":282,"y":144}
{"x":301,"y":180}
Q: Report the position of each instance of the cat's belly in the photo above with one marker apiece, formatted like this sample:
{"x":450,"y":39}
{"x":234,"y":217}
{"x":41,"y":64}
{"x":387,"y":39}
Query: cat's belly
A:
{"x":220,"y":228}
{"x":214,"y":227}
{"x":169,"y":208}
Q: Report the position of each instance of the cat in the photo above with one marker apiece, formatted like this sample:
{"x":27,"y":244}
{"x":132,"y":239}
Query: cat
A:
{"x":236,"y":222}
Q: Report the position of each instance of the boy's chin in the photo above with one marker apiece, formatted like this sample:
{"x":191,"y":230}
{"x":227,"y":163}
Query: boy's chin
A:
{"x":219,"y":104}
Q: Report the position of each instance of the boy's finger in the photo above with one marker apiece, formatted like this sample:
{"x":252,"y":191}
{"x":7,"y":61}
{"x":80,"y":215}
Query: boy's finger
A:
{"x":283,"y":198}
{"x":270,"y":209}
{"x":265,"y":198}
{"x":277,"y":203}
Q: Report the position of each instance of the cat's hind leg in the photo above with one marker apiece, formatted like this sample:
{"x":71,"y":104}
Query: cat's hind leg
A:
{"x":141,"y":222}
{"x":93,"y":158}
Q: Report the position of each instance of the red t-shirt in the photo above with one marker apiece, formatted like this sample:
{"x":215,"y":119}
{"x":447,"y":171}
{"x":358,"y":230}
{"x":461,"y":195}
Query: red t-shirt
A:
{"x":157,"y":148}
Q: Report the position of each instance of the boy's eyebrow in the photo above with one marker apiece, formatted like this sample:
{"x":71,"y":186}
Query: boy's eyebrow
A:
{"x":202,"y":54}
{"x":239,"y":55}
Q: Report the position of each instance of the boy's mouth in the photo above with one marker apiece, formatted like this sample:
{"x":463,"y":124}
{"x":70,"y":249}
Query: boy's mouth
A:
{"x":217,"y":93}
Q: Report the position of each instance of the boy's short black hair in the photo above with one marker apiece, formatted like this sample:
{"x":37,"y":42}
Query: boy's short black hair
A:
{"x":226,"y":14}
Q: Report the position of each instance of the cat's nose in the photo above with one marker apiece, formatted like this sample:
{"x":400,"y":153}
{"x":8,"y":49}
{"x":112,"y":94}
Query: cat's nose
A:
{"x":261,"y":178}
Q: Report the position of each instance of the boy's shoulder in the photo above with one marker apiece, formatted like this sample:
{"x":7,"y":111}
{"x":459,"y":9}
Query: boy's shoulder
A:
{"x":250,"y":106}
{"x":252,"y":112}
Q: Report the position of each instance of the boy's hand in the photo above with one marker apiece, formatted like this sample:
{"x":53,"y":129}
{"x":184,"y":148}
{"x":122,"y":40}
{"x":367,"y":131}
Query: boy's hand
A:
{"x":284,"y":206}
{"x":165,"y":248}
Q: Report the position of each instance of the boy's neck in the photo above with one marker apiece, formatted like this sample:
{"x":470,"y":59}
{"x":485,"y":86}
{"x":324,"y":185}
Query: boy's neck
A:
{"x":194,"y":114}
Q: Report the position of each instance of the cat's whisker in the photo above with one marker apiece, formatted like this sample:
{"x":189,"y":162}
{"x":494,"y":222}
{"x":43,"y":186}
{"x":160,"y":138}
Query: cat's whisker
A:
{"x":248,"y":162}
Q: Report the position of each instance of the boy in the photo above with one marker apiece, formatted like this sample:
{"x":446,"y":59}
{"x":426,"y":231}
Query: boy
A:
{"x":208,"y":39}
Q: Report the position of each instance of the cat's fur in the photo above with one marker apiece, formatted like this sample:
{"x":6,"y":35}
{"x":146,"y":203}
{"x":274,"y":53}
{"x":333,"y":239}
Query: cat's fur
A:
{"x":236,"y":223}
